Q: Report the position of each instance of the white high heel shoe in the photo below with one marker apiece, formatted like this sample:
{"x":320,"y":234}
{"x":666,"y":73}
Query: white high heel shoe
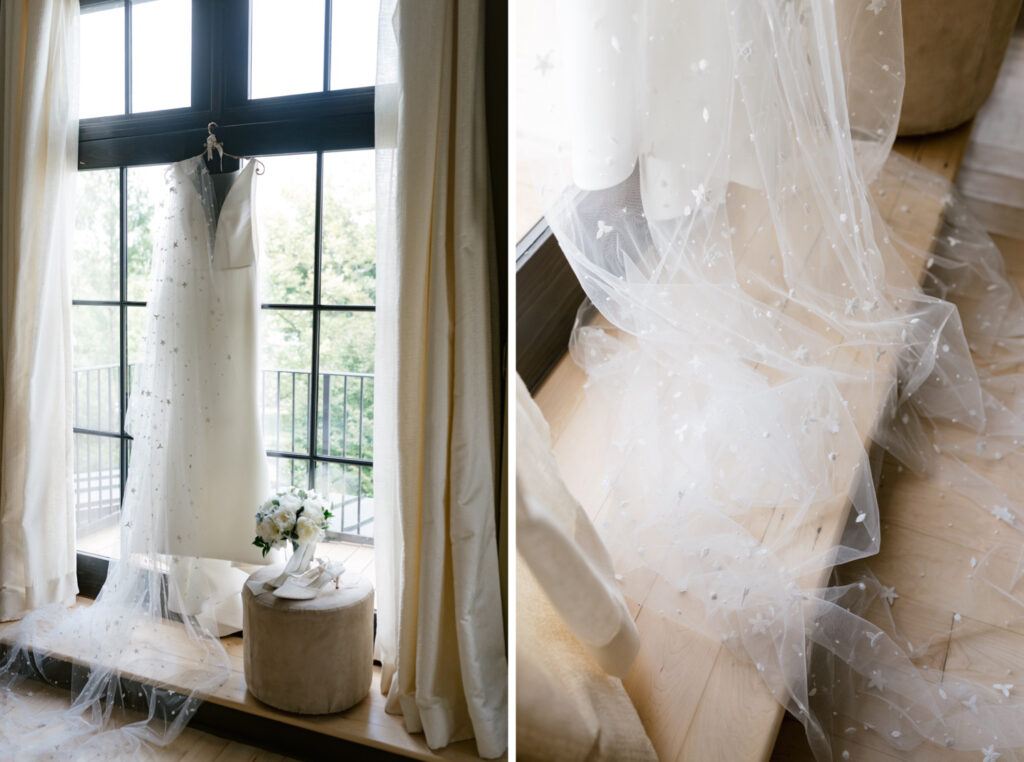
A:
{"x":306,"y":586}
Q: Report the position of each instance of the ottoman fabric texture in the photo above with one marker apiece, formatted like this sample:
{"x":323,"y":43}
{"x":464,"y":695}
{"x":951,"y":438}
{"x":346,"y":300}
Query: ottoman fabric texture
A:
{"x":953,"y":51}
{"x":309,"y":657}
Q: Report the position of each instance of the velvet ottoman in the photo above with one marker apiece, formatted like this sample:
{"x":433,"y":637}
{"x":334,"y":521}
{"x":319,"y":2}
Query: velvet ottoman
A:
{"x":308,"y":657}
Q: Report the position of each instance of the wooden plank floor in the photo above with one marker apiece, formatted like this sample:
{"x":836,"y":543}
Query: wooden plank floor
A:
{"x":929,"y":536}
{"x":691,"y":692}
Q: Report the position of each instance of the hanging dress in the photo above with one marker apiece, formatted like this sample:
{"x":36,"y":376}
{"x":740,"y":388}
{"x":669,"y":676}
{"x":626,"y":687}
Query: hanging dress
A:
{"x":198,"y":468}
{"x":196,"y":475}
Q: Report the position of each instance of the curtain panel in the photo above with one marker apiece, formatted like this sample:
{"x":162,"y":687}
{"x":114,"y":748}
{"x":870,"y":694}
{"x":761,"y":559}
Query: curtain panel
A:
{"x":39,"y":140}
{"x":440,"y":625}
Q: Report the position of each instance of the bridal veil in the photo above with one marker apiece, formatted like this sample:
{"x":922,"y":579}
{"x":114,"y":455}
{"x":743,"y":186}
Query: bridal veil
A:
{"x":714,"y":172}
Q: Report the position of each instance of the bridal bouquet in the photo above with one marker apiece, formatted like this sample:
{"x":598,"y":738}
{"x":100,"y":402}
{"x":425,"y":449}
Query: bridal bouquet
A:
{"x":294,"y":514}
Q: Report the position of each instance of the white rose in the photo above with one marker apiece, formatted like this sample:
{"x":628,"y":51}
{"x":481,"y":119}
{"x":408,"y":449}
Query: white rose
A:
{"x":313,"y":511}
{"x":284,"y":520}
{"x":291,"y":502}
{"x":266,"y":530}
{"x":308,"y":530}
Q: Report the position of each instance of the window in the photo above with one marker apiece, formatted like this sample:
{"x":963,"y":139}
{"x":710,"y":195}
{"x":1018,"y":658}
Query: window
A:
{"x":154,"y":73}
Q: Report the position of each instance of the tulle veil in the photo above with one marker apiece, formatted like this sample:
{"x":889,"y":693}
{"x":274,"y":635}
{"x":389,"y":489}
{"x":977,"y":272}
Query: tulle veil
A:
{"x":716,"y":174}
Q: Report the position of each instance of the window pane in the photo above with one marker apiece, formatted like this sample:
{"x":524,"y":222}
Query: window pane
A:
{"x":97,"y":236}
{"x":350,"y":489}
{"x":288,"y":472}
{"x":353,"y":43}
{"x":97,"y":481}
{"x":101,"y":63}
{"x":146,"y":189}
{"x":347,"y":342}
{"x":95,"y":353}
{"x":286,"y":208}
{"x":287,"y":47}
{"x":349,"y":250}
{"x":345,"y":415}
{"x":161,"y":54}
{"x":287,"y":344}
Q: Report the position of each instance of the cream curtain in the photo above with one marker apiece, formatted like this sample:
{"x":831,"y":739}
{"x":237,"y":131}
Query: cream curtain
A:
{"x":562,"y":549}
{"x":439,"y":604}
{"x":575,"y":636}
{"x":39,"y":138}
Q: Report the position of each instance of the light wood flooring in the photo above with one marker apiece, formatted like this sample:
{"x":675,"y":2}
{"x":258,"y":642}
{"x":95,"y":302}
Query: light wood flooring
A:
{"x":931,"y":535}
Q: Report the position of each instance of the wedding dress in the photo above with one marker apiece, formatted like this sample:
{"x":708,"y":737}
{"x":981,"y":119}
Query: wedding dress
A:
{"x":713,"y":172}
{"x":198,"y":442}
{"x":196,"y":476}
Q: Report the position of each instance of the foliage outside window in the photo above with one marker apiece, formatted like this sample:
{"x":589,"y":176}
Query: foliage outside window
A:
{"x":317,"y":229}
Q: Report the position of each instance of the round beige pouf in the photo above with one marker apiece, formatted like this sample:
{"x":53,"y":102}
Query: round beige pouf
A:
{"x":309,"y":657}
{"x":953,"y":50}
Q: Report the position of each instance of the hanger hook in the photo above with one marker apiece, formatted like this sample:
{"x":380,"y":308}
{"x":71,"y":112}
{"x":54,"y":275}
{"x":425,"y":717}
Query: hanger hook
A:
{"x":210,"y":127}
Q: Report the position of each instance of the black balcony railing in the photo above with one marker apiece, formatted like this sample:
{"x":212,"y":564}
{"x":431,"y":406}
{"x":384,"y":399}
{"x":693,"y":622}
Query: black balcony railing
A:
{"x":342,"y":456}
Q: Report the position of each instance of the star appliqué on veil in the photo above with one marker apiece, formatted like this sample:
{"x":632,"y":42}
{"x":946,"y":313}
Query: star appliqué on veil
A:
{"x":877,"y":6}
{"x":544,"y":64}
{"x":876,"y":681}
{"x":991,"y":755}
{"x":889,"y":594}
{"x":603,"y":229}
{"x":759,"y":625}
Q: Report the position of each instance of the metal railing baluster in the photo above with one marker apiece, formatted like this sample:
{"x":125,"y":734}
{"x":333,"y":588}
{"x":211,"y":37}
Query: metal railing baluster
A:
{"x":362,"y":402}
{"x":325,"y":436}
{"x":344,"y":416}
{"x":295,"y":393}
{"x":97,"y":466}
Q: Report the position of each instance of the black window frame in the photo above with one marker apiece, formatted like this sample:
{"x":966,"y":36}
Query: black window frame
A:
{"x":315,"y":122}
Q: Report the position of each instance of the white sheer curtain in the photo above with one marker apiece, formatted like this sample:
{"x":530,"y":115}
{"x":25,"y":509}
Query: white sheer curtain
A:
{"x":39,"y":139}
{"x":439,"y":604}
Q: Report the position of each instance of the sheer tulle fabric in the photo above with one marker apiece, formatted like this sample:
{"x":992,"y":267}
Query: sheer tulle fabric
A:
{"x":156,"y":617}
{"x":714,"y":174}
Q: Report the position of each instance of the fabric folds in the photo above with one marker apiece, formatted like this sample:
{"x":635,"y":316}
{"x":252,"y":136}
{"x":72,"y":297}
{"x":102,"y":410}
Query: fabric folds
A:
{"x":575,"y":636}
{"x":440,"y":631}
{"x":563,"y":550}
{"x":39,"y":143}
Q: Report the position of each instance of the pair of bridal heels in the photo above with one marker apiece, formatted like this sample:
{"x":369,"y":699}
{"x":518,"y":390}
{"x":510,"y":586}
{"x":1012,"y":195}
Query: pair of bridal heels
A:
{"x":306,"y":586}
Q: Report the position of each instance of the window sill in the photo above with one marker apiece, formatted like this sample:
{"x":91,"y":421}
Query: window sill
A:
{"x":365,"y":731}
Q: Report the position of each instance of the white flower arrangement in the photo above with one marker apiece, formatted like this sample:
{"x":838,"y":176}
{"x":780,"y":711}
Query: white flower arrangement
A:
{"x":294,"y":514}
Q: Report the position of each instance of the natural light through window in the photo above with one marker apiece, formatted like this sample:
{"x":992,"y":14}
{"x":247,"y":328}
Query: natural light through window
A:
{"x":161,"y":54}
{"x":287,"y":47}
{"x":316,"y":347}
{"x":101,"y":69}
{"x":354,"y":43}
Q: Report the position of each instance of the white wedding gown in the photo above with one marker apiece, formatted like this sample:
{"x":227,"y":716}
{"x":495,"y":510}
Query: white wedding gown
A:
{"x":713,"y":172}
{"x":198,"y":469}
{"x":196,"y":476}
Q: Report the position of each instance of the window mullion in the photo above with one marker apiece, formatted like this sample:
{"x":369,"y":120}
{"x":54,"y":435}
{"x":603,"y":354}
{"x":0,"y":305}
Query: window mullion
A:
{"x":328,"y":13}
{"x":123,"y":310}
{"x":232,"y":52}
{"x":314,"y":383}
{"x":202,"y":55}
{"x":127,"y":56}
